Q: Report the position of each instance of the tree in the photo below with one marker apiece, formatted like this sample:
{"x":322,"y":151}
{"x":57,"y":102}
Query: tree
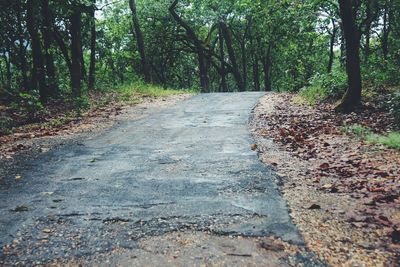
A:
{"x":52,"y":82}
{"x":232,"y":57}
{"x":204,"y":80}
{"x":92,"y":67}
{"x":352,"y":97}
{"x":140,"y":42}
{"x":76,"y":50}
{"x":38,"y":80}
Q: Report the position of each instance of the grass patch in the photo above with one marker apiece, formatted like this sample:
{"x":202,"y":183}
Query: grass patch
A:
{"x":128,"y":91}
{"x":314,"y":94}
{"x":356,"y":130}
{"x":391,"y":140}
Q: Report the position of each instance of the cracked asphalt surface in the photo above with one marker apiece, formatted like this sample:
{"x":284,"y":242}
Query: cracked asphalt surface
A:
{"x":187,"y":167}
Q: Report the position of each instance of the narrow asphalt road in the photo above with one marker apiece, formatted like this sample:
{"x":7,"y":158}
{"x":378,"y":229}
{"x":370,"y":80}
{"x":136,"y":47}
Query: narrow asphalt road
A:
{"x":188,"y":167}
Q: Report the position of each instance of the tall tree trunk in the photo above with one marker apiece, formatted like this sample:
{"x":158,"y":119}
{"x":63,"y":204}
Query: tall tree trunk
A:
{"x":352,"y":97}
{"x":7,"y":60}
{"x":332,"y":47}
{"x":140,"y":42}
{"x":267,"y":64}
{"x":83,"y":67}
{"x":232,"y":57}
{"x":204,"y":79}
{"x":76,"y":52}
{"x":256,"y":73}
{"x":224,"y":85}
{"x":243,"y":50}
{"x":92,"y":67}
{"x":256,"y":69}
{"x":48,"y":41}
{"x":3,"y":82}
{"x":22,"y":50}
{"x":63,"y":48}
{"x":38,"y":71}
{"x":386,"y":31}
{"x":244,"y":63}
{"x":367,"y":46}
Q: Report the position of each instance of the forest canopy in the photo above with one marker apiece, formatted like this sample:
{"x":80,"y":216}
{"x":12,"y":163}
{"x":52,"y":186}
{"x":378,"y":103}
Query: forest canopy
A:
{"x":53,"y":49}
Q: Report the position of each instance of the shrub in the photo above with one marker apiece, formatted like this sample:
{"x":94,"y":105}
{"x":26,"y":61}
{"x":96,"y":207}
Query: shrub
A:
{"x":5,"y":125}
{"x":30,"y":104}
{"x":325,"y":86}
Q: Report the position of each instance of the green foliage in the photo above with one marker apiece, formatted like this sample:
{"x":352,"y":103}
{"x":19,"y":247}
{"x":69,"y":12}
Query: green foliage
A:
{"x":130,"y":91}
{"x":391,"y":140}
{"x":81,"y":104}
{"x":325,"y":86}
{"x":5,"y":125}
{"x":30,"y":104}
{"x":394,"y":105}
{"x":285,"y":44}
{"x":357,"y":130}
{"x":378,"y":72}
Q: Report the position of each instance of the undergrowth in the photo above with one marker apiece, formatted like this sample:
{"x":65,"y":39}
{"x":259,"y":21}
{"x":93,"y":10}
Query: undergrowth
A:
{"x":27,"y":109}
{"x":390,"y":140}
{"x":322,"y":87}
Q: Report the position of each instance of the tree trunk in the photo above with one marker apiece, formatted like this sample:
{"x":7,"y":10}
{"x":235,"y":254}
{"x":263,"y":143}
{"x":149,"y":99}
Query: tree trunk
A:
{"x":243,"y":50}
{"x":204,"y":79}
{"x":267,"y":64}
{"x":8,"y":70}
{"x":63,"y":48}
{"x":256,"y":69}
{"x":386,"y":31}
{"x":224,"y":85}
{"x":3,"y":82}
{"x":83,"y":67}
{"x":244,"y":63}
{"x":367,"y":48}
{"x":38,"y":71}
{"x":22,"y":50}
{"x":76,"y":52}
{"x":256,"y":73}
{"x":352,"y":97}
{"x":52,"y":85}
{"x":140,"y":42}
{"x":232,"y":57}
{"x":332,"y":47}
{"x":92,"y":68}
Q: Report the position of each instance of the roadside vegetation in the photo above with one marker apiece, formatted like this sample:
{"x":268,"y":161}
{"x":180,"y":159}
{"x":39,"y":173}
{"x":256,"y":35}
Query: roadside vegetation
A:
{"x":17,"y":116}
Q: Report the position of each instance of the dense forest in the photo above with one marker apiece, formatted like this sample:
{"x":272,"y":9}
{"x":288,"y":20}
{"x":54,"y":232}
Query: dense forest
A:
{"x":53,"y":49}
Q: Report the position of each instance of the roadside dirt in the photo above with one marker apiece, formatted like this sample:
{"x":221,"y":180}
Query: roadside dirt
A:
{"x":200,"y":249}
{"x":343,"y":193}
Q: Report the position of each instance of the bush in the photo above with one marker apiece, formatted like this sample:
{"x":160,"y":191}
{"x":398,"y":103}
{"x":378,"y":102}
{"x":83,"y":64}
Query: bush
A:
{"x":325,"y":86}
{"x":5,"y":125}
{"x":30,"y":104}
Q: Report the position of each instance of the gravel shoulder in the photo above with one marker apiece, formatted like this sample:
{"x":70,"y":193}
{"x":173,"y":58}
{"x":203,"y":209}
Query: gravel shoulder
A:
{"x":333,"y":223}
